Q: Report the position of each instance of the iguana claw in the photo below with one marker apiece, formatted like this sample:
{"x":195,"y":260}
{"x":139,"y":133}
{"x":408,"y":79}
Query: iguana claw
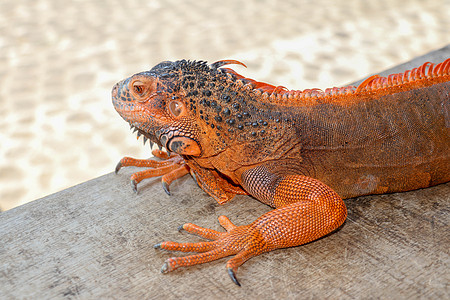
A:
{"x":118,"y":167}
{"x":165,"y":268}
{"x":166,"y":187}
{"x":233,"y":276}
{"x":134,"y":185}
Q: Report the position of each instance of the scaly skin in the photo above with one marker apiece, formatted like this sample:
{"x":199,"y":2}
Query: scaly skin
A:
{"x":300,"y":152}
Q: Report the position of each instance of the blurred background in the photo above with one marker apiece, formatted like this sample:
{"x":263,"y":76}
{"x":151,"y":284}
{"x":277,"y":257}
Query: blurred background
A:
{"x":59,"y":60}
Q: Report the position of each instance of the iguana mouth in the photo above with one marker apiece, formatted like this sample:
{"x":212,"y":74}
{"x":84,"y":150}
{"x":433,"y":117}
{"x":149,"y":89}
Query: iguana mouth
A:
{"x":146,"y":137}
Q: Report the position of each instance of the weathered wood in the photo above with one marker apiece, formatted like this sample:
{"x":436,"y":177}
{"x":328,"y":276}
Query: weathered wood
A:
{"x":95,"y":240}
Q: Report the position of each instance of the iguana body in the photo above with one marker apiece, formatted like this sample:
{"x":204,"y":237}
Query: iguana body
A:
{"x":299,"y":152}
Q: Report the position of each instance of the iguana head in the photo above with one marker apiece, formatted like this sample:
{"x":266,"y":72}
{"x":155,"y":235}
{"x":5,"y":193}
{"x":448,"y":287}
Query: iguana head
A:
{"x":189,"y":107}
{"x":151,"y":103}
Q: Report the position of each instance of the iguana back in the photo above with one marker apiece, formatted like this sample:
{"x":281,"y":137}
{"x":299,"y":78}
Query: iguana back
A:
{"x":371,"y":144}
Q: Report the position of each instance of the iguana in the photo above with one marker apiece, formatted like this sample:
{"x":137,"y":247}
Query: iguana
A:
{"x":301,"y":152}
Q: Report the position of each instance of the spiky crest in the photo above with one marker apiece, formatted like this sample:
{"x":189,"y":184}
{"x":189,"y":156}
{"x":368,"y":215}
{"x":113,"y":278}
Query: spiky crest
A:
{"x":425,"y":75}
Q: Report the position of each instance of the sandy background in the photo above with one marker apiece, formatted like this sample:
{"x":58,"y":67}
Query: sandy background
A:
{"x":59,"y":60}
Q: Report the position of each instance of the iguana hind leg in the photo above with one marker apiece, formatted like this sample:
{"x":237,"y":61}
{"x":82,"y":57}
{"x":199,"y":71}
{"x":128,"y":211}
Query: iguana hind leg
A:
{"x":306,"y":209}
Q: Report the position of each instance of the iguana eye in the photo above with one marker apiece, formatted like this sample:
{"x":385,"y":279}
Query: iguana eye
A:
{"x":176,"y":108}
{"x":138,"y":87}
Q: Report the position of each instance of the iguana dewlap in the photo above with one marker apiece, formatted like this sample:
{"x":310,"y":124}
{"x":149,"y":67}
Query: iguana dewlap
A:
{"x":300,"y":152}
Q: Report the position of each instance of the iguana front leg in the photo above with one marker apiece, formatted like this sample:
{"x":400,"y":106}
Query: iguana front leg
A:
{"x":306,"y":209}
{"x":170,"y":168}
{"x":212,"y":183}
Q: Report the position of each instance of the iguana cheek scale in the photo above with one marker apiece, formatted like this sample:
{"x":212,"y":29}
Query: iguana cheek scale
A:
{"x":301,"y":152}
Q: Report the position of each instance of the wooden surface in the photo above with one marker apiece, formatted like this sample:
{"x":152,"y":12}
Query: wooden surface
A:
{"x":95,"y":240}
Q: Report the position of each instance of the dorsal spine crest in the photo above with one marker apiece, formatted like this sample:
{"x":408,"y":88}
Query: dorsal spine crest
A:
{"x":374,"y":85}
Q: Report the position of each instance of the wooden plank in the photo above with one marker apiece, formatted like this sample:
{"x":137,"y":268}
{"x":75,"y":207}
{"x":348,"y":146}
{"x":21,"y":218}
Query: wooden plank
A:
{"x":95,"y":240}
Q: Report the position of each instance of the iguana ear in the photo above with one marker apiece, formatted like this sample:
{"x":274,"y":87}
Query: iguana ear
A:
{"x":184,"y":145}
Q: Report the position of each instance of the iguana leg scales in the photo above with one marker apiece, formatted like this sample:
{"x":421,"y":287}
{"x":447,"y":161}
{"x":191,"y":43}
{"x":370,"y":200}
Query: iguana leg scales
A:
{"x":139,"y":176}
{"x":226,"y":223}
{"x":168,"y":178}
{"x":186,"y":247}
{"x":143,"y":163}
{"x":195,"y":259}
{"x":163,"y":154}
{"x":206,"y":233}
{"x":306,"y":210}
{"x":243,"y":241}
{"x":171,"y":168}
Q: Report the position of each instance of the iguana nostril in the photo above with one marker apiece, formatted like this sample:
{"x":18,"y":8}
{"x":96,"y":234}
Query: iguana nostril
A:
{"x":115,"y":90}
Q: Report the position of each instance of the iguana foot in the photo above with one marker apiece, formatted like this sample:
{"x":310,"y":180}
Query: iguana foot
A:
{"x":172,"y":167}
{"x":244,"y":241}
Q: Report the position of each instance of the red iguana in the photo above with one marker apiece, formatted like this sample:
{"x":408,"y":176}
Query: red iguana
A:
{"x":301,"y":152}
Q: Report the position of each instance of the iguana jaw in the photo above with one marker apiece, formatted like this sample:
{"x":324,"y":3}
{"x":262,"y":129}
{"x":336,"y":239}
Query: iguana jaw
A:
{"x":149,"y":113}
{"x":142,"y":117}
